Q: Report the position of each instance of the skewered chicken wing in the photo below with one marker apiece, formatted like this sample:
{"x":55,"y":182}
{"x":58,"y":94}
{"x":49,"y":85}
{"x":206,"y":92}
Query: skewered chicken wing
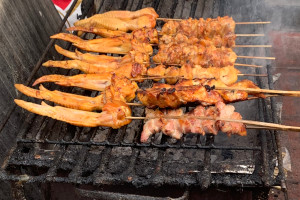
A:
{"x":115,"y":24}
{"x":120,"y":89}
{"x":119,"y":45}
{"x":96,"y":82}
{"x":113,"y":114}
{"x":121,"y":20}
{"x":136,"y":41}
{"x":128,"y":69}
{"x":98,"y":31}
{"x":102,"y":60}
{"x":68,"y":100}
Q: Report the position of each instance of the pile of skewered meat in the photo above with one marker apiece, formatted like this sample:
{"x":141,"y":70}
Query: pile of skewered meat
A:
{"x":202,"y":47}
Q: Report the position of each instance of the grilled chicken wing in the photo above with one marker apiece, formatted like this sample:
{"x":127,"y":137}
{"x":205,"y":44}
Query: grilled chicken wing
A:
{"x":68,"y":100}
{"x":120,"y":89}
{"x":118,"y":45}
{"x":127,"y":69}
{"x":121,"y":20}
{"x":115,"y":24}
{"x":102,"y":60}
{"x":96,"y":82}
{"x":113,"y":114}
{"x":98,"y":31}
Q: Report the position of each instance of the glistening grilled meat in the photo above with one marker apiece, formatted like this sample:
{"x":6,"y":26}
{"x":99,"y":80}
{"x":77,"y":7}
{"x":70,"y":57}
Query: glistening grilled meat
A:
{"x":188,"y":123}
{"x":219,"y":31}
{"x":197,"y":54}
{"x":164,"y":95}
{"x":199,"y":91}
{"x":228,"y":75}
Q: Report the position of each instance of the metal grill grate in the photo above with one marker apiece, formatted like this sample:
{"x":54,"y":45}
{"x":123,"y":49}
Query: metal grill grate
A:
{"x":53,"y":151}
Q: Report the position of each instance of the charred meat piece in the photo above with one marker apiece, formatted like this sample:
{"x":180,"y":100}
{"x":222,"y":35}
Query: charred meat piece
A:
{"x":161,"y":121}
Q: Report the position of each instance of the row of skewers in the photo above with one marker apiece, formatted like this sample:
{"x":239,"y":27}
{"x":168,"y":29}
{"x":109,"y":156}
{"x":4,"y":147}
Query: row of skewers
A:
{"x":207,"y":76}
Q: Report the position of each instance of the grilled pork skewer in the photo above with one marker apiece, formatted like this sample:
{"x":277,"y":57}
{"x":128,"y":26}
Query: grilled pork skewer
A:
{"x":187,"y":124}
{"x":228,"y":75}
{"x":121,"y":87}
{"x":189,"y":91}
{"x":197,"y":54}
{"x":219,"y":31}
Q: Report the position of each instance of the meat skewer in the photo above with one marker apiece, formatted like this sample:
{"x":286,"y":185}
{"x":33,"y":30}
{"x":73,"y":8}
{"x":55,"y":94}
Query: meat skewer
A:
{"x":193,"y":91}
{"x":174,"y":123}
{"x":240,"y":23}
{"x":108,"y":61}
{"x":227,"y":75}
{"x":201,"y":121}
{"x":173,"y":64}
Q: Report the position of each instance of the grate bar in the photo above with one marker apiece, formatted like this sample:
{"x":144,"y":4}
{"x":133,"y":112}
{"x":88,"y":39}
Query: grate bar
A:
{"x":205,"y":176}
{"x":162,"y":146}
{"x":278,"y":149}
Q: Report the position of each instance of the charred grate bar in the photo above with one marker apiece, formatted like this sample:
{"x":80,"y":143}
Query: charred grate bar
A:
{"x":53,"y":151}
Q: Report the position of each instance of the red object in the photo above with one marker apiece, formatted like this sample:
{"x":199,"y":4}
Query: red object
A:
{"x":62,"y":3}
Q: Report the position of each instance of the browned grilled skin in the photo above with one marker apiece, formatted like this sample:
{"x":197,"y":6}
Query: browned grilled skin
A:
{"x":188,"y":123}
{"x":189,"y":91}
{"x":138,"y":41}
{"x":233,"y":95}
{"x":164,"y":95}
{"x":146,"y":35}
{"x":197,"y":54}
{"x":219,"y":31}
{"x":114,"y":114}
{"x":228,"y":75}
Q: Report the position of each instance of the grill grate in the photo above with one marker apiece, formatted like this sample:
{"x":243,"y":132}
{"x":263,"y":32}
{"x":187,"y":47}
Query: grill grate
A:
{"x":53,"y":151}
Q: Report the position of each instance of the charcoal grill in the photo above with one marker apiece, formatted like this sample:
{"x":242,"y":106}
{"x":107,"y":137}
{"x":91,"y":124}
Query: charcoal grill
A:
{"x":98,"y":159}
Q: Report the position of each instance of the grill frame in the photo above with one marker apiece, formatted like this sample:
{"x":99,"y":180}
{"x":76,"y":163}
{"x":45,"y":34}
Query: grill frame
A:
{"x":206,"y":178}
